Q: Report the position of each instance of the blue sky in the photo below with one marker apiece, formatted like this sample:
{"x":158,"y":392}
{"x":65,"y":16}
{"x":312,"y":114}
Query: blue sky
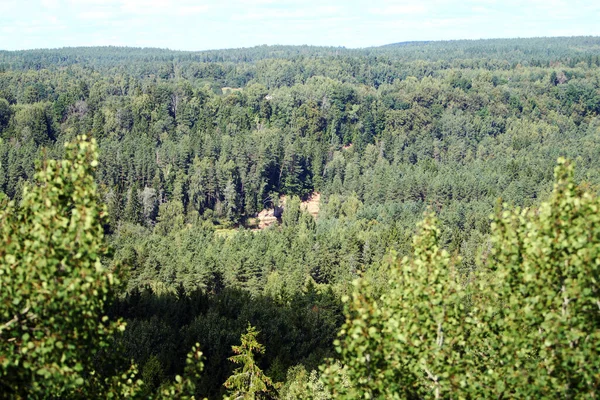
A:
{"x":202,"y":24}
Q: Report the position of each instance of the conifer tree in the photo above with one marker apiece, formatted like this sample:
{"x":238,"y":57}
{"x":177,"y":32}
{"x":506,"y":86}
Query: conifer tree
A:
{"x":248,"y":382}
{"x":133,"y":208}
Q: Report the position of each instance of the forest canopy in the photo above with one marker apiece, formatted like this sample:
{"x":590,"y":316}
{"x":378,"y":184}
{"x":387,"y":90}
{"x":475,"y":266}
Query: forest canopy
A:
{"x":270,"y":197}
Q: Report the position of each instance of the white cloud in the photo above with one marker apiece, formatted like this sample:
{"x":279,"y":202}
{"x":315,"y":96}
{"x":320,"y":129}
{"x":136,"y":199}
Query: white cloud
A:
{"x":146,"y":6}
{"x":129,"y":9}
{"x":164,"y":7}
{"x":259,"y":2}
{"x":317,"y":13}
{"x":481,"y":10}
{"x":447,"y":22}
{"x":52,"y":19}
{"x":189,"y":10}
{"x":97,"y":14}
{"x":8,"y":29}
{"x":8,"y":6}
{"x":86,"y":3}
{"x":52,"y":4}
{"x":400,"y":9}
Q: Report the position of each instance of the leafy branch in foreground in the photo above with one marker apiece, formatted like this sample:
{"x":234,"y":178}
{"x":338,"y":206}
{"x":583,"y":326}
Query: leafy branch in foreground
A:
{"x":526,"y":326}
{"x":184,"y":386}
{"x":54,"y":286}
{"x":545,"y":308}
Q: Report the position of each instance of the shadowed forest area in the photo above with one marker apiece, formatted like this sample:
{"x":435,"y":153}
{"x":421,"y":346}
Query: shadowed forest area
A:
{"x":422,"y":240}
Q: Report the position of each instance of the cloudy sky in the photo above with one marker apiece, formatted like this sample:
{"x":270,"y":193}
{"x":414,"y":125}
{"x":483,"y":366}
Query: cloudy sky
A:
{"x":203,"y":24}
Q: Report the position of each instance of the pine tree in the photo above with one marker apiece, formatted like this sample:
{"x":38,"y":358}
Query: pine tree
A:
{"x":230,"y":200}
{"x":133,"y":208}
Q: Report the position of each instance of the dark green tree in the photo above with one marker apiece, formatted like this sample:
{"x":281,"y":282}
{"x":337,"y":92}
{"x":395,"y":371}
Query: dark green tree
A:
{"x":5,"y":114}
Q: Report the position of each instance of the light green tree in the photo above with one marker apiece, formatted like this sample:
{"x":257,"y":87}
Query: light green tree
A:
{"x":526,"y":325}
{"x":408,"y":341}
{"x":248,"y":381}
{"x":53,"y":331}
{"x":542,"y":312}
{"x":54,"y":286}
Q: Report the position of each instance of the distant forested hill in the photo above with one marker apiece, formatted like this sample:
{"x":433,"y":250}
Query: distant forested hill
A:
{"x":534,"y":51}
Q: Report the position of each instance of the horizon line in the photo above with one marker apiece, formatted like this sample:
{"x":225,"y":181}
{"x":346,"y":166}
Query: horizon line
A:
{"x":297,"y":45}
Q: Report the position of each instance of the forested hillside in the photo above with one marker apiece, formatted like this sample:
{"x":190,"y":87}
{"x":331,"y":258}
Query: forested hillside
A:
{"x":192,"y":146}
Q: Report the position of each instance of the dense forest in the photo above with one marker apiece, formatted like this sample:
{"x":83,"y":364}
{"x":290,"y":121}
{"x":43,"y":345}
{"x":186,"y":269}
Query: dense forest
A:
{"x":423,"y":241}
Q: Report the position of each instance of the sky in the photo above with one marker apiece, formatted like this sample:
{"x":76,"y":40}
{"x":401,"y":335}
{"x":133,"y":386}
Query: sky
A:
{"x":203,"y":24}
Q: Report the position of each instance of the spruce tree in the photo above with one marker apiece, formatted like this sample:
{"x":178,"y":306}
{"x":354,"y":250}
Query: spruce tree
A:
{"x":248,"y":382}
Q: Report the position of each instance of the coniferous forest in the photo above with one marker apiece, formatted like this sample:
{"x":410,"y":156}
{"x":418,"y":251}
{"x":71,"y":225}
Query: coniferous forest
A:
{"x":417,"y":220}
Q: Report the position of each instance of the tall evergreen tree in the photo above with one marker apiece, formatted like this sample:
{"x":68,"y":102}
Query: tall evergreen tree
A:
{"x":248,"y":382}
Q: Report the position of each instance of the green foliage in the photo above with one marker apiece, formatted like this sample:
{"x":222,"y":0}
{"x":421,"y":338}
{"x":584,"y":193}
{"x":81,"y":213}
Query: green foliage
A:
{"x":248,"y":381}
{"x":34,"y":123}
{"x":5,"y":114}
{"x":527,"y":326}
{"x":296,"y":328}
{"x":545,"y":296}
{"x":301,"y":385}
{"x":54,"y":286}
{"x":380,"y":133}
{"x":184,"y":388}
{"x":407,"y":342}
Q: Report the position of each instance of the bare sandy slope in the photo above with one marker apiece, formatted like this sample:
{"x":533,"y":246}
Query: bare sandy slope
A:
{"x":267,"y":217}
